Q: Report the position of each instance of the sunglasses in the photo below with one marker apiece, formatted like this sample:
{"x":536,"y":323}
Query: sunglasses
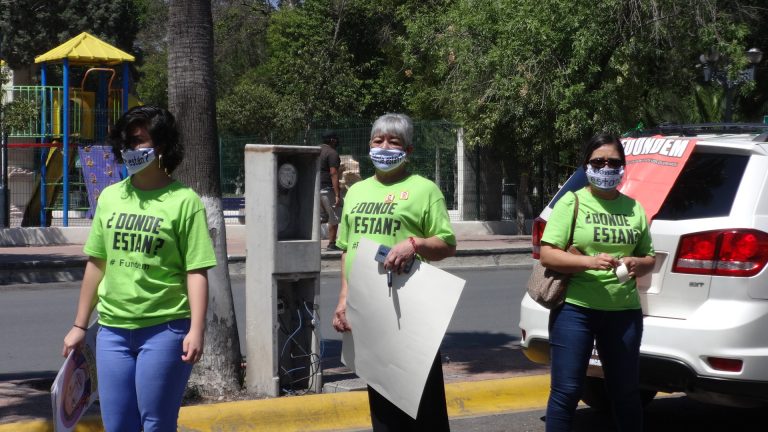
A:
{"x":598,"y":163}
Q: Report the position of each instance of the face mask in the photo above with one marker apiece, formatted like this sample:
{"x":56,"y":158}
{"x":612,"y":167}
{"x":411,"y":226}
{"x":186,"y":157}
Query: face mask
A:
{"x":137,"y":160}
{"x":386,"y":159}
{"x":605,"y":178}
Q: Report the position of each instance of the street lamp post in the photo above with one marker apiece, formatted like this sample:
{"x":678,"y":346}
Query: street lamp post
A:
{"x":715,"y":69}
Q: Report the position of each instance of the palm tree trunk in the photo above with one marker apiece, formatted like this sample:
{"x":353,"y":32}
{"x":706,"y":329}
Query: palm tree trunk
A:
{"x":192,"y":98}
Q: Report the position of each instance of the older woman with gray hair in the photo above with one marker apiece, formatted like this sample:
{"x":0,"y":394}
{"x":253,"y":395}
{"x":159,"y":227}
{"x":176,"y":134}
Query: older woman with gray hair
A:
{"x":418,"y":227}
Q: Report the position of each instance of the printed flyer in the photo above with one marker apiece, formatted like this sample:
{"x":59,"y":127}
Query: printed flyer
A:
{"x":75,"y":387}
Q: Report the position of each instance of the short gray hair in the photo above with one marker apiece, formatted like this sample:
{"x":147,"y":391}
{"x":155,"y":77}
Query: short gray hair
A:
{"x":399,"y":125}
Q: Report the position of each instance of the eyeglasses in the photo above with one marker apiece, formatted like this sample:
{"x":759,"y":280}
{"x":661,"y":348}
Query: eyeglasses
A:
{"x":598,"y":163}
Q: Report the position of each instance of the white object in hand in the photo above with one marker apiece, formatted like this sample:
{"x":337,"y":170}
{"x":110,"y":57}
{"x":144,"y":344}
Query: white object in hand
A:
{"x":622,"y":272}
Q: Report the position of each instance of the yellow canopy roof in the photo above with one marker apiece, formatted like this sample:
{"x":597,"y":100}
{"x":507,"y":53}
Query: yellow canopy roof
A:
{"x":86,"y":49}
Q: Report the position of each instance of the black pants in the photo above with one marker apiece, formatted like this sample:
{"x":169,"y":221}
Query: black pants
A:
{"x":432,"y":415}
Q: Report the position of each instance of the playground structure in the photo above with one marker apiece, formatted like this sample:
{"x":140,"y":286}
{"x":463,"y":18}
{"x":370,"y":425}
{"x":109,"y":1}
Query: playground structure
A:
{"x":59,"y":163}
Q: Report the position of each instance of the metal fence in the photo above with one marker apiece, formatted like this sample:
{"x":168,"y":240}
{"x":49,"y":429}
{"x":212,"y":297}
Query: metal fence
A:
{"x":437,"y":156}
{"x":37,"y":182}
{"x":40,"y":184}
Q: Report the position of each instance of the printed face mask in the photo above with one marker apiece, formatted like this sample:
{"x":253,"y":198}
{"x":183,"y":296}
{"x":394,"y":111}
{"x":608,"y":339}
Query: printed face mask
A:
{"x":605,"y":178}
{"x":137,"y":160}
{"x":386,"y":159}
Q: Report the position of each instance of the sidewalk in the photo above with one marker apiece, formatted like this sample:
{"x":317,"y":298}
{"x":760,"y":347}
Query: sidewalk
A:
{"x":479,"y":381}
{"x":65,"y":262}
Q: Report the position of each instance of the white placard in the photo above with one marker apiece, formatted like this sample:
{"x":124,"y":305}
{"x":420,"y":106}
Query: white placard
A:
{"x":396,"y":332}
{"x":75,"y":387}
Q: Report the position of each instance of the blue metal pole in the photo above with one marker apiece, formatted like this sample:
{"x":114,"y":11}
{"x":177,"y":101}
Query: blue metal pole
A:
{"x":43,"y":140}
{"x":126,"y":85}
{"x":65,"y":144}
{"x":43,"y":83}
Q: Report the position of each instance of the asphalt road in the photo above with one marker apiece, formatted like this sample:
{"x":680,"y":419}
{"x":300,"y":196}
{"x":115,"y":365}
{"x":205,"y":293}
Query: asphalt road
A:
{"x":35,"y":317}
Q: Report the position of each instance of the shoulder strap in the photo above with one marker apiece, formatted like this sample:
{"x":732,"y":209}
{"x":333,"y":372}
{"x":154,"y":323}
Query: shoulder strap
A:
{"x":573,"y":220}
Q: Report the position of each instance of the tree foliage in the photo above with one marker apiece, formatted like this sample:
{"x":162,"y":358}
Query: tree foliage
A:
{"x":527,"y":80}
{"x":32,"y":27}
{"x":17,"y":114}
{"x":532,"y":81}
{"x":152,"y":85}
{"x":239,"y":28}
{"x":253,"y":108}
{"x":310,"y":63}
{"x":152,"y":52}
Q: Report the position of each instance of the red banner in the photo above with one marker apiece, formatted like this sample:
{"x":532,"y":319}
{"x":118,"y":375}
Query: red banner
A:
{"x":653,"y":165}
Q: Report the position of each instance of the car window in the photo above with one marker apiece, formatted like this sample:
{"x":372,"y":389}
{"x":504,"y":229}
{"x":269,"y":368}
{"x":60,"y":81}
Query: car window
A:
{"x":705,"y":188}
{"x":576,"y":181}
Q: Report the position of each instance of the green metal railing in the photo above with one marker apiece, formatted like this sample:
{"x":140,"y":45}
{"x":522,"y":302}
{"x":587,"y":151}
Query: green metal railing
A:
{"x":85,"y":120}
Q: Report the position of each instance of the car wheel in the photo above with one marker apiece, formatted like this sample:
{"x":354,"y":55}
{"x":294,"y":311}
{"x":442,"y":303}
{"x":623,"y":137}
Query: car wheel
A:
{"x":596,"y":396}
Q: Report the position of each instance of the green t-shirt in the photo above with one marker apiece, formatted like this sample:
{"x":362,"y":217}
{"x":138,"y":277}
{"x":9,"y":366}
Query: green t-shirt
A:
{"x":149,"y":241}
{"x":617,"y":227}
{"x":389,"y":214}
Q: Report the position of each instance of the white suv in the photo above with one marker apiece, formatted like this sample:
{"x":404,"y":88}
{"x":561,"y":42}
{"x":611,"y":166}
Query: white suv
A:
{"x":706,"y":301}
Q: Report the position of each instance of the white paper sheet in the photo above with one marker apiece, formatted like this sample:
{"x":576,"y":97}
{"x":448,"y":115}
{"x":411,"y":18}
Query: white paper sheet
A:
{"x":75,"y":387}
{"x":396,"y":332}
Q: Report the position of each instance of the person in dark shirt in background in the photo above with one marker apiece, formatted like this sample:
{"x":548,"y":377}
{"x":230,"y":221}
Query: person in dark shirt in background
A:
{"x":330,"y":193}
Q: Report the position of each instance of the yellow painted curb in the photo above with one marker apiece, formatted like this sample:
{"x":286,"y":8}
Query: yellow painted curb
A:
{"x":337,"y":411}
{"x":87,"y":424}
{"x":474,"y":398}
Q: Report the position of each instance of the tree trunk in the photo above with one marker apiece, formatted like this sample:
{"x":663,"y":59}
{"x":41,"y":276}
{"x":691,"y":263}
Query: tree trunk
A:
{"x":192,"y":99}
{"x":523,"y":211}
{"x":489,"y":189}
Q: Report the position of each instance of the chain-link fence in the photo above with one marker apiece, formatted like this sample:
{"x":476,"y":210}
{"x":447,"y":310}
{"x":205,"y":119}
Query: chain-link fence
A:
{"x":438,"y":155}
{"x":37,"y":182}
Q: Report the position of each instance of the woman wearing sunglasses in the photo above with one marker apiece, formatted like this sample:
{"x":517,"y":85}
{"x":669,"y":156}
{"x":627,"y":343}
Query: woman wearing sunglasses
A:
{"x":611,"y":246}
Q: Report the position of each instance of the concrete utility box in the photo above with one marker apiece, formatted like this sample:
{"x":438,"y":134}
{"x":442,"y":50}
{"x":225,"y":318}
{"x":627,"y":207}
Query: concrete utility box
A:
{"x":282,"y":283}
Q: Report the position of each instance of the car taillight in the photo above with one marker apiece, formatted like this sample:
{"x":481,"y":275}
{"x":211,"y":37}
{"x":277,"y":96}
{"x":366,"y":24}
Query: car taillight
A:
{"x":538,"y":231}
{"x":725,"y":364}
{"x":738,"y":252}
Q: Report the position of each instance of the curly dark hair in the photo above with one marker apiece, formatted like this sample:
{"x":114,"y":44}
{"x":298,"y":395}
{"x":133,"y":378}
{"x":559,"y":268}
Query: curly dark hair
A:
{"x":160,"y":124}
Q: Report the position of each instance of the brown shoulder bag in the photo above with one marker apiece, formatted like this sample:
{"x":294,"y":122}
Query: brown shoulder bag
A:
{"x":546,"y":286}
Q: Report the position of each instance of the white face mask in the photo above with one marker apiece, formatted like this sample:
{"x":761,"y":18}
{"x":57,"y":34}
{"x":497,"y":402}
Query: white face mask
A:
{"x":386,"y":159}
{"x":605,"y":178}
{"x":137,"y":160}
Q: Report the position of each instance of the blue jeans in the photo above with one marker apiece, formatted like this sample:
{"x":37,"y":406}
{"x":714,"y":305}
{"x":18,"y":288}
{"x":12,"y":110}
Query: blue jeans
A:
{"x":572,"y":332}
{"x":141,"y":376}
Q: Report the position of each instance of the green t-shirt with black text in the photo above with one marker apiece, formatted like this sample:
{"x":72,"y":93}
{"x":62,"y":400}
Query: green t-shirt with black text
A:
{"x":390,"y":213}
{"x":617,"y":227}
{"x":149,"y":241}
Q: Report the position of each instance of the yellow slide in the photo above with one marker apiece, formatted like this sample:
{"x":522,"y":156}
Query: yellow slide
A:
{"x":53,"y":179}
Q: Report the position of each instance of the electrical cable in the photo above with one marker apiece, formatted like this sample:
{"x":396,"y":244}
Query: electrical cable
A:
{"x":293,"y":339}
{"x":316,"y":327}
{"x":298,"y":329}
